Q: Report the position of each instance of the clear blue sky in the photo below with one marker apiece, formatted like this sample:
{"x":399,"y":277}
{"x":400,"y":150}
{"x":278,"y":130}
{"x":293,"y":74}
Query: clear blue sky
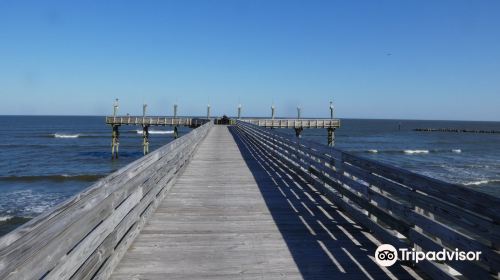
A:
{"x":376,"y":59}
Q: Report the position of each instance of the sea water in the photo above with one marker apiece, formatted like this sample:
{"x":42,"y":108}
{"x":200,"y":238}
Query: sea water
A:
{"x":47,"y":159}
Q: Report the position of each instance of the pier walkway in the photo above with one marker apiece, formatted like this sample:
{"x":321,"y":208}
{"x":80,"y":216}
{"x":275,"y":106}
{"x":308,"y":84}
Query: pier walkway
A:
{"x":248,"y":202}
{"x":233,"y":215}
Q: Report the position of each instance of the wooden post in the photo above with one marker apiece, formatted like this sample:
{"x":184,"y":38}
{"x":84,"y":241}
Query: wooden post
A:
{"x":115,"y":142}
{"x":145,"y":139}
{"x":176,"y":133}
{"x":331,"y":136}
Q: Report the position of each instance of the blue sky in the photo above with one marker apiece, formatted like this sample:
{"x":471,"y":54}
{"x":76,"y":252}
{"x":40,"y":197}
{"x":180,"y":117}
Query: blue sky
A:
{"x":376,"y":59}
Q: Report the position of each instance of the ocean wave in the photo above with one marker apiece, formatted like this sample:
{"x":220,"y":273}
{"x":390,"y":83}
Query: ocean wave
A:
{"x":416,"y":152}
{"x":157,"y":131}
{"x":55,"y":178}
{"x":60,"y":135}
{"x":5,"y":218}
{"x":411,"y":152}
{"x":481,"y":182}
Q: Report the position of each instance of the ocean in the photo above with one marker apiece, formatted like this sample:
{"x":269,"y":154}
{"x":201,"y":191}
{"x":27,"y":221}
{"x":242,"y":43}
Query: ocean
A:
{"x":46,"y":159}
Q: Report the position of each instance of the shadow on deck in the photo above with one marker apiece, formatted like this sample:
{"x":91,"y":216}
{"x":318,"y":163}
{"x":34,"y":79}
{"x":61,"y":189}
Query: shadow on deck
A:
{"x":324,"y":242}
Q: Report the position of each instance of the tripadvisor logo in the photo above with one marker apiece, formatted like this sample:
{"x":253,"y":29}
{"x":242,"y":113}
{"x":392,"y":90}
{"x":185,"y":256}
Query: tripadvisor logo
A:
{"x":387,"y":255}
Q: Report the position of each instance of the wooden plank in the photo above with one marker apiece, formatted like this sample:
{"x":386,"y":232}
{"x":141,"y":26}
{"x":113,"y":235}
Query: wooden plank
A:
{"x":474,"y":227}
{"x":70,"y":232}
{"x":226,"y":218}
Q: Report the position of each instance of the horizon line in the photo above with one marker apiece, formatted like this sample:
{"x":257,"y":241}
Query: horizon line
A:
{"x":285,"y":117}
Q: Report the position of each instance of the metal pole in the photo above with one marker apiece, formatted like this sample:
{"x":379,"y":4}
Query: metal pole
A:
{"x":331,"y":109}
{"x":115,"y":109}
{"x":298,"y":112}
{"x":272,"y":111}
{"x":239,"y":111}
{"x":175,"y":111}
{"x":208,"y":111}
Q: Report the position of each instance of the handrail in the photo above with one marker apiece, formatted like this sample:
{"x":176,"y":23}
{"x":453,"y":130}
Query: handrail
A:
{"x":156,"y":120}
{"x":310,"y":123}
{"x":400,"y":207}
{"x":86,"y":235}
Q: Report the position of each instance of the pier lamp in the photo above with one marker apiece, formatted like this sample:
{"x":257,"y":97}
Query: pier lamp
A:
{"x":239,"y":111}
{"x":272,"y":111}
{"x":331,"y":109}
{"x":175,"y":111}
{"x":208,"y":111}
{"x":298,"y":112}
{"x":115,"y":107}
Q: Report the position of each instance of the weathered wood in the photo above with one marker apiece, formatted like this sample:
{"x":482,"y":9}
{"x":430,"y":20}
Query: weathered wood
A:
{"x":294,"y":123}
{"x":234,"y":214}
{"x":156,"y":121}
{"x":391,"y":194}
{"x":56,"y":244}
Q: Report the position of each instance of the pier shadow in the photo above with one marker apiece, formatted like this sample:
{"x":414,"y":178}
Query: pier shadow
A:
{"x":323,"y":241}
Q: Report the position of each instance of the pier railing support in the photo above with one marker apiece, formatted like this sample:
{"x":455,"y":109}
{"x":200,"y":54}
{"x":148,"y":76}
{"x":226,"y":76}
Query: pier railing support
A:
{"x":398,"y":206}
{"x":331,"y":136}
{"x":145,"y":139}
{"x":115,"y":142}
{"x":176,"y":132}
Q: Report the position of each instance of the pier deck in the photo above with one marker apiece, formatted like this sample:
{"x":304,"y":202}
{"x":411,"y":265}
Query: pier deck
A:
{"x":233,"y":215}
{"x":246,"y":202}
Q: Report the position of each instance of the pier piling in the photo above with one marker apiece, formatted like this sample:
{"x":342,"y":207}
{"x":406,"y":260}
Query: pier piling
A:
{"x":115,"y":142}
{"x":145,"y":139}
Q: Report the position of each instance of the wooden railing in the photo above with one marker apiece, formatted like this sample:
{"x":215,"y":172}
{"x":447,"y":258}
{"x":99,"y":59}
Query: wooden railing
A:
{"x":295,"y":123}
{"x":399,"y":207}
{"x":156,"y":121}
{"x":86,"y":236}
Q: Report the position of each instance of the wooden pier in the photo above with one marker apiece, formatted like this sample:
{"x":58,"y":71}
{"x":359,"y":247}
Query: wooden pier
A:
{"x":246,"y":202}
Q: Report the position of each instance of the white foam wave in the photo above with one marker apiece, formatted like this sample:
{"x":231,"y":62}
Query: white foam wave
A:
{"x":157,"y":131}
{"x":477,"y":183}
{"x":373,"y":151}
{"x":456,"y":151}
{"x":416,"y":151}
{"x":481,"y":182}
{"x":5,"y":218}
{"x":59,"y":135}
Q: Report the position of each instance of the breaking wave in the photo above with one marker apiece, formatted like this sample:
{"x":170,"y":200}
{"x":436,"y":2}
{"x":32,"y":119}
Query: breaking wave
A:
{"x":157,"y":131}
{"x":60,"y":135}
{"x":416,"y":152}
{"x":412,"y":152}
{"x":481,"y":182}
